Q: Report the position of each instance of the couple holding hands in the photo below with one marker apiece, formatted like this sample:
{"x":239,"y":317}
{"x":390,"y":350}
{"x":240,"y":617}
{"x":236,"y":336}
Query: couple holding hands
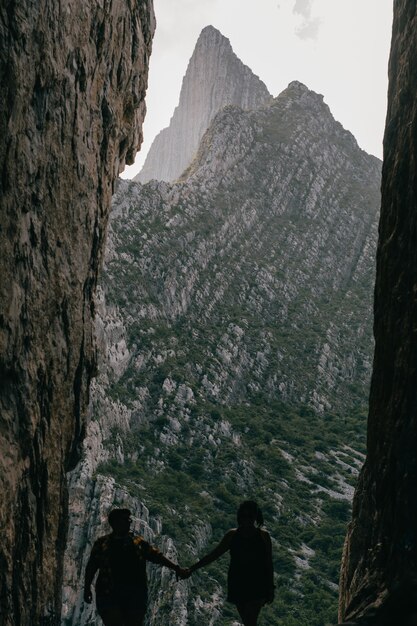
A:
{"x":120,"y":558}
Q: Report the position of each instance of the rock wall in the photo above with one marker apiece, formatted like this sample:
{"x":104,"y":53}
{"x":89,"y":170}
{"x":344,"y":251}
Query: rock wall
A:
{"x":381,"y":547}
{"x":215,"y":77}
{"x":73,"y":77}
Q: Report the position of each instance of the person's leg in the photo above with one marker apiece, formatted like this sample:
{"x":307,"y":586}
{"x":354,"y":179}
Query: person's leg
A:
{"x":249,"y":612}
{"x":134,"y":618}
{"x":112,"y":617}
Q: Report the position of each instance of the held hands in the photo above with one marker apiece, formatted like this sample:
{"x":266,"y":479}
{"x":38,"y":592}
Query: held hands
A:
{"x":183,"y":573}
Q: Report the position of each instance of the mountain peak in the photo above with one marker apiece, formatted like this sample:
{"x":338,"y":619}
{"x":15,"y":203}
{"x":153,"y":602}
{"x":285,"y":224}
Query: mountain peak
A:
{"x":295,"y":85}
{"x":211,"y":37}
{"x":298,"y":92}
{"x":215,"y":78}
{"x":209,"y":32}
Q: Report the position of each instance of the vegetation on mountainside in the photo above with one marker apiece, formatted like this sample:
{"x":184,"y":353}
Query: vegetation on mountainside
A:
{"x":294,"y":462}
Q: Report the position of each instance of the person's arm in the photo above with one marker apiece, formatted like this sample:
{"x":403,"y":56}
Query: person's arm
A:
{"x":153,"y":555}
{"x":90,"y":570}
{"x":269,"y":566}
{"x":218,"y":551}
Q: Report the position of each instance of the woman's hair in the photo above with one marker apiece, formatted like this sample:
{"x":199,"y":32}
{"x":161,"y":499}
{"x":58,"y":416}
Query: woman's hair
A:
{"x":250,"y":509}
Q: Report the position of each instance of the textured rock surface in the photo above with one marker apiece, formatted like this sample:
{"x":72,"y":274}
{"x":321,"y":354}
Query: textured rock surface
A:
{"x":73,"y":77}
{"x":215,"y":78}
{"x":232,"y":298}
{"x":381,"y":549}
{"x":273,"y":203}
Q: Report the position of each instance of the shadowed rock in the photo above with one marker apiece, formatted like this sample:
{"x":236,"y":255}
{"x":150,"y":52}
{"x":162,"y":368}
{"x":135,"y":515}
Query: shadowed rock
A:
{"x":73,"y":77}
{"x":381,"y":547}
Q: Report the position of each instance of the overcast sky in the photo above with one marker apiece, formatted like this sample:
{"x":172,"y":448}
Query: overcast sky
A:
{"x":338,"y":48}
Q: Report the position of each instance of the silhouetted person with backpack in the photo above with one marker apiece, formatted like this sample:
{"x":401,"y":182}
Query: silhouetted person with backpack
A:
{"x":121,"y":586}
{"x":251,"y":575}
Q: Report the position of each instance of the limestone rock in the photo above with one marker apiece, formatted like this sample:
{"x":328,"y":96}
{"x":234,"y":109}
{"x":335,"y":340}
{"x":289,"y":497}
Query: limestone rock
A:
{"x":73,"y":78}
{"x":277,"y":216}
{"x":215,"y":77}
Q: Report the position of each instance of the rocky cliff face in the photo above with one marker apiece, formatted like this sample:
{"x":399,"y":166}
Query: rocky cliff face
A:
{"x":73,"y":77}
{"x":215,"y":78}
{"x":250,"y":177}
{"x":236,"y":309}
{"x":381,"y":548}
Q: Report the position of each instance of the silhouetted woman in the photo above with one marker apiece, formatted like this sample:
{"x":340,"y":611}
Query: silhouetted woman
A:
{"x":250,"y":582}
{"x":121,"y":587}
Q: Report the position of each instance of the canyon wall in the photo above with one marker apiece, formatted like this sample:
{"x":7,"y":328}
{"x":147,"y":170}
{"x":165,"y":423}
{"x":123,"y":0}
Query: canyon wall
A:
{"x":381,"y":548}
{"x":73,"y":77}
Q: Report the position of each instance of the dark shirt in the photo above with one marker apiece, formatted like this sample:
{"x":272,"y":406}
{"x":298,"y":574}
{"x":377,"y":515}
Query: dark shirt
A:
{"x":121,"y":562}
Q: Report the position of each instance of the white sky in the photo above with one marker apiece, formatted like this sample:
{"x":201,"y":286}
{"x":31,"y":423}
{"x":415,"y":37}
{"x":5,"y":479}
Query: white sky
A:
{"x":338,"y":48}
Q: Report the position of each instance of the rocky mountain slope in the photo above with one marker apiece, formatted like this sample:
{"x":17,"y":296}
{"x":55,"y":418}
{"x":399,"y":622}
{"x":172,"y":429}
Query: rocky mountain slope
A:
{"x":236,"y":311}
{"x":73,"y":78}
{"x":215,"y":77}
{"x":381,"y":549}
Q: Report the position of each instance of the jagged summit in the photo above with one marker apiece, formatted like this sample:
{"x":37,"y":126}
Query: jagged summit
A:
{"x":210,"y":30}
{"x":297,"y":115}
{"x":300,"y":90}
{"x":297,"y":93}
{"x":215,"y":78}
{"x":297,"y":85}
{"x":208,"y":33}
